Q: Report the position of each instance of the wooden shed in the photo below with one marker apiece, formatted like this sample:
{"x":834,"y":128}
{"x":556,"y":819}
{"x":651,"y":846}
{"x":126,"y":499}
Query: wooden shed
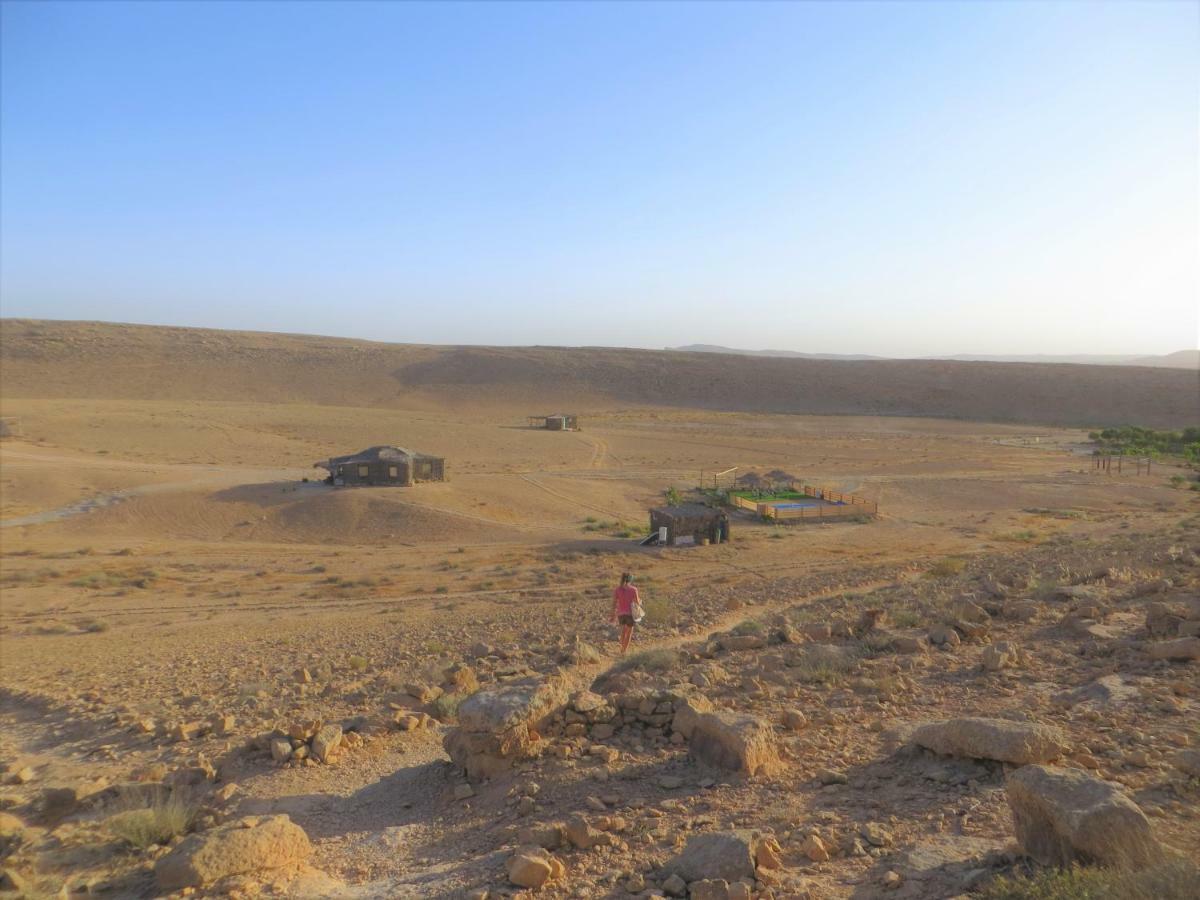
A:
{"x":691,"y":523}
{"x":384,"y":466}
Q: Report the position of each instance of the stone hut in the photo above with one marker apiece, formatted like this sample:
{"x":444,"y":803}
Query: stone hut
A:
{"x":384,"y":466}
{"x":691,"y":523}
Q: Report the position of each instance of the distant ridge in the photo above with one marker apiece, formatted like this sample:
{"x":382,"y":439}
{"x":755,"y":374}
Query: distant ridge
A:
{"x":1181,"y":359}
{"x":782,"y":354}
{"x":80,"y":360}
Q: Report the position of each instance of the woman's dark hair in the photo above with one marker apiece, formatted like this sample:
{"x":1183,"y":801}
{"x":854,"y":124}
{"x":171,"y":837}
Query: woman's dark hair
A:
{"x":626,"y":578}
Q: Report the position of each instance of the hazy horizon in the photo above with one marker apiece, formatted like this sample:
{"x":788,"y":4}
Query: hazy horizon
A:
{"x":888,"y":179}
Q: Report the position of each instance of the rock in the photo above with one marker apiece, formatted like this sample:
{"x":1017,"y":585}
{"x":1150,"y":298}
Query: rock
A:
{"x":1181,"y":649}
{"x":583,"y":835}
{"x":249,"y":845}
{"x":12,"y":881}
{"x":326,"y":742}
{"x":737,"y":742}
{"x":1162,"y":620}
{"x":13,"y":833}
{"x":1062,"y":816}
{"x":498,"y":727}
{"x":710,"y":889}
{"x":742,"y":641}
{"x":281,"y":749}
{"x":794,"y":720}
{"x":831,"y":776}
{"x":422,"y":692}
{"x":23,"y":775}
{"x":814,"y":848}
{"x":817,"y":631}
{"x":188,"y":731}
{"x":1106,"y":690}
{"x":725,"y":855}
{"x":903,"y":643}
{"x":670,"y":782}
{"x":59,"y":802}
{"x":944,"y":636}
{"x":965,"y":610}
{"x":1001,"y":655}
{"x":548,"y":837}
{"x":674,"y":886}
{"x":222,"y":725}
{"x":531,"y":867}
{"x":1019,"y":743}
{"x":463,"y":792}
{"x":1188,"y":762}
{"x":767,"y":855}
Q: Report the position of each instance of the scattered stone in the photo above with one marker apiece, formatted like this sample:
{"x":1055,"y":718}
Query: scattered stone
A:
{"x":1188,"y":762}
{"x":249,"y":845}
{"x":1063,"y":815}
{"x":463,"y":792}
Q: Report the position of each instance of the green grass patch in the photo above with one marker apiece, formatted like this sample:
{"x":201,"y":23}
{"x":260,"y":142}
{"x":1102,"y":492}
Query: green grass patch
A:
{"x":946,"y":568}
{"x":1175,"y":880}
{"x":152,"y":819}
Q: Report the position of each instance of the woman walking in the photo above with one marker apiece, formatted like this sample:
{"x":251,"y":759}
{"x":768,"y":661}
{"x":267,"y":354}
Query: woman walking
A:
{"x":626,"y":604}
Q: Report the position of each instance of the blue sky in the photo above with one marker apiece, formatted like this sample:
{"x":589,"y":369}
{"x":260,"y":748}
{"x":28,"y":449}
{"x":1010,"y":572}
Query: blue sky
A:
{"x":899,"y":179}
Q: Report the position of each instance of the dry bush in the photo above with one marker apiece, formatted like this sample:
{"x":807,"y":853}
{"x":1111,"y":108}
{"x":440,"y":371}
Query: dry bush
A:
{"x":1175,"y":880}
{"x":659,"y":610}
{"x":946,"y":568}
{"x":820,"y":664}
{"x":144,"y":820}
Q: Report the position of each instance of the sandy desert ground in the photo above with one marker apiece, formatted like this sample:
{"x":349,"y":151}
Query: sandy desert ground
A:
{"x":178,"y":600}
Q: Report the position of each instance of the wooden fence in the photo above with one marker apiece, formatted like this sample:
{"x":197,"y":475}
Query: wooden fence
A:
{"x":851,"y":505}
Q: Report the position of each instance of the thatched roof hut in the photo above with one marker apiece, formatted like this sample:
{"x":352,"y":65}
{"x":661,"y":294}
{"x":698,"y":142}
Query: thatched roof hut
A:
{"x":384,"y":465}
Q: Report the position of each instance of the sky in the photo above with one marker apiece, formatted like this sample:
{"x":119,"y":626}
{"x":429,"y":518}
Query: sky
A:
{"x":898,"y":179}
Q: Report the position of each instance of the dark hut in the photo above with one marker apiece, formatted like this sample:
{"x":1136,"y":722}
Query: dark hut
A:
{"x":690,"y":523}
{"x":556,"y":422}
{"x":384,"y":466}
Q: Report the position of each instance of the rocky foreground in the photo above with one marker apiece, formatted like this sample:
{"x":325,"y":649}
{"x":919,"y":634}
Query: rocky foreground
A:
{"x":928,"y":737}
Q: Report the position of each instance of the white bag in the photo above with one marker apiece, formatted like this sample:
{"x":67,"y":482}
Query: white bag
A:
{"x":636,"y":610}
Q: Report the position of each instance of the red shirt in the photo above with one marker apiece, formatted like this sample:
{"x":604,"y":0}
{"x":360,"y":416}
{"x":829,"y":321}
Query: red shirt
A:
{"x":625,"y":595}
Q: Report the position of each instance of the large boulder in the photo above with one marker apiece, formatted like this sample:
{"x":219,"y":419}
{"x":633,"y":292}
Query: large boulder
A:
{"x":252,"y":844}
{"x":737,"y":742}
{"x":1180,"y":649}
{"x":725,"y":855}
{"x":498,"y":727}
{"x":531,"y":867}
{"x":1019,"y":743}
{"x":1062,"y":816}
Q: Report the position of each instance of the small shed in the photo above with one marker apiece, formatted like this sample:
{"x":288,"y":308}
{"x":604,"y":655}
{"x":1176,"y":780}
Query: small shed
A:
{"x":556,"y":422}
{"x":691,"y":523}
{"x":384,"y":466}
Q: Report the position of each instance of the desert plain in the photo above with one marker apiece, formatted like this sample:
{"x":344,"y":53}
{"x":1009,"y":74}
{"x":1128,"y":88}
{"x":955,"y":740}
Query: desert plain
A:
{"x":424,"y":680}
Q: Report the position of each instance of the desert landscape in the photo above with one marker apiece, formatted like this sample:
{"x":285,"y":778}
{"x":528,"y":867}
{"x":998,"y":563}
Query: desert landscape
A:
{"x":224,"y":676}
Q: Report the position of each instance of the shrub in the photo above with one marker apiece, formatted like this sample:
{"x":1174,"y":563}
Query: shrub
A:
{"x":648,"y":661}
{"x":659,"y":610}
{"x":819,"y":664}
{"x":946,"y":568}
{"x":904,"y":618}
{"x":1174,"y":880}
{"x":153,"y":819}
{"x":357,"y":663}
{"x":749,"y":626}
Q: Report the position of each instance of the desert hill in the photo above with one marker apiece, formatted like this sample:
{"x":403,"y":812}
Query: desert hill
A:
{"x":51,"y":359}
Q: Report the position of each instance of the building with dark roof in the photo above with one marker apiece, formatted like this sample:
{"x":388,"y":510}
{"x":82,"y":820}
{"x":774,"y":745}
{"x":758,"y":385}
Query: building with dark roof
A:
{"x":384,"y":466}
